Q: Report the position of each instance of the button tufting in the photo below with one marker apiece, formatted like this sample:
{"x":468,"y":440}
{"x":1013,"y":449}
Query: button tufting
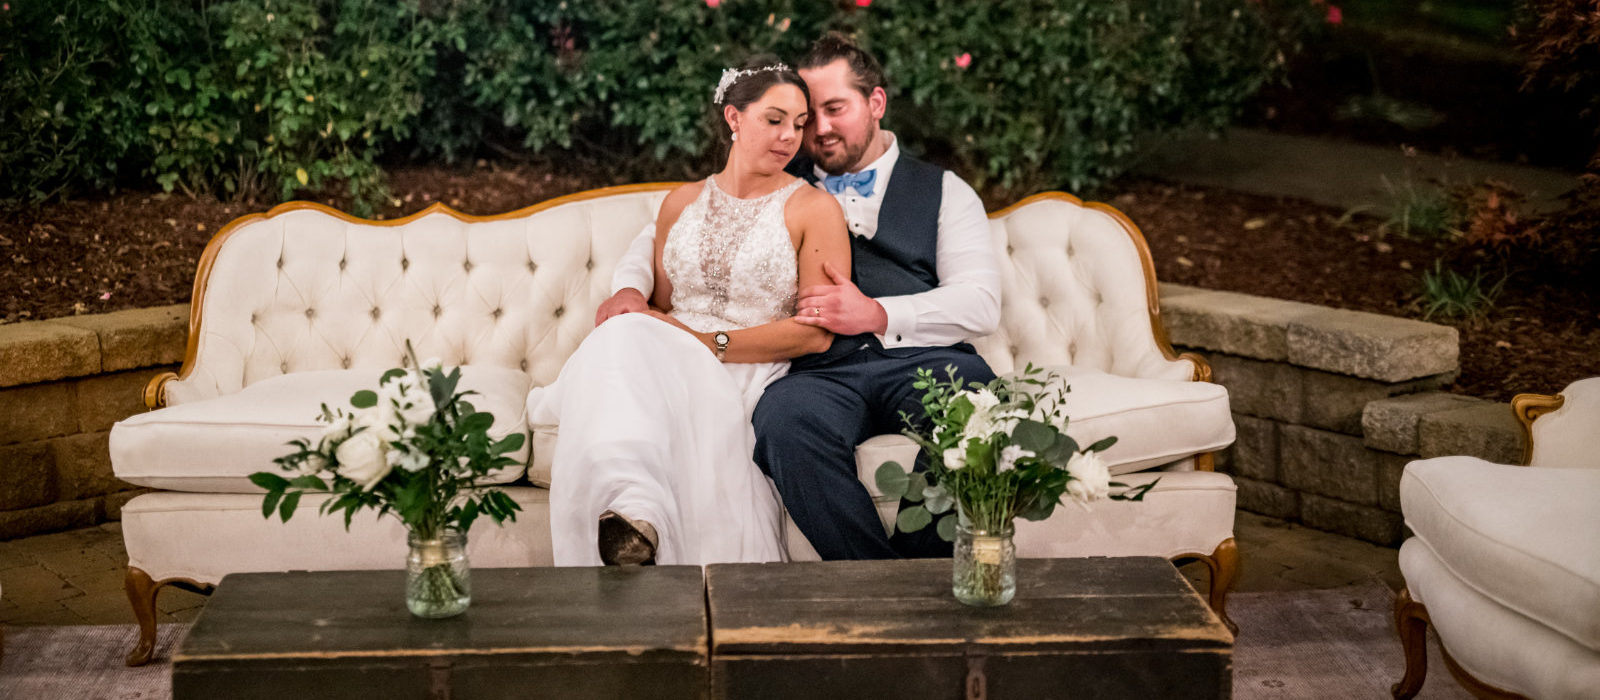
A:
{"x":467,"y":265}
{"x":1044,"y":301}
{"x":533,"y":266}
{"x":374,"y":312}
{"x":311,"y":313}
{"x":280,"y":263}
{"x":405,"y":263}
{"x":524,"y":365}
{"x":343,"y":263}
{"x":252,"y":319}
{"x":436,"y":310}
{"x":345,"y":363}
{"x":1010,"y":250}
{"x":497,"y":313}
{"x":560,"y":310}
{"x":1072,"y":349}
{"x":1013,"y":350}
{"x":589,"y":265}
{"x":284,"y":368}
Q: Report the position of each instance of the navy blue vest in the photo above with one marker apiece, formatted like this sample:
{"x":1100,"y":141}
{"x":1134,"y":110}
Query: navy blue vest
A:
{"x":901,"y":258}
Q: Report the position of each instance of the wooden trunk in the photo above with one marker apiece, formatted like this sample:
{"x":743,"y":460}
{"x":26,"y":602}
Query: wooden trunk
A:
{"x":530,"y":633}
{"x":1085,"y":628}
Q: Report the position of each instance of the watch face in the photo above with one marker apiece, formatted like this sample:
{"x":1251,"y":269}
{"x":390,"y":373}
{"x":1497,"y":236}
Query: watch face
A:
{"x":721,"y":338}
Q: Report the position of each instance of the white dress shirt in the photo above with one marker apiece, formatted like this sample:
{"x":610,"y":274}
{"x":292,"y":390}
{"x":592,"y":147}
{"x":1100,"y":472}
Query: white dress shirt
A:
{"x":965,"y":305}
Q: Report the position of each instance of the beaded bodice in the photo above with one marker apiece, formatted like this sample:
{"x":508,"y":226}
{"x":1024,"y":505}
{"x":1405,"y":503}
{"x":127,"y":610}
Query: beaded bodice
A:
{"x":731,"y":261}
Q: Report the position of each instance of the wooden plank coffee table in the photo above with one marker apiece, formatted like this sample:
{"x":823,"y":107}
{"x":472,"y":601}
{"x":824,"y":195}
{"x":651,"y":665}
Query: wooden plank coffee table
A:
{"x":1094,"y":627}
{"x":530,"y":633}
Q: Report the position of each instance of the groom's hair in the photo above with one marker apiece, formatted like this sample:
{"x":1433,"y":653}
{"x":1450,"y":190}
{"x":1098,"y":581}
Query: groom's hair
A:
{"x":834,"y":46}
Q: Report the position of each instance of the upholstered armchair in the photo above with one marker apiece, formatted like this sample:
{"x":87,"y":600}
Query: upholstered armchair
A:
{"x":1504,"y":563}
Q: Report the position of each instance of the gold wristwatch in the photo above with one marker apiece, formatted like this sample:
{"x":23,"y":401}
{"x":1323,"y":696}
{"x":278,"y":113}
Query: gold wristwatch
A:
{"x":721,"y":339}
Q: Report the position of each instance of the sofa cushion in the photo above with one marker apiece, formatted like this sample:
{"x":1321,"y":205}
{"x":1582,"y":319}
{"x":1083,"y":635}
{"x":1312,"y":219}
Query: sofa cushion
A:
{"x":1156,"y":421}
{"x":1522,"y":536}
{"x":215,"y":444}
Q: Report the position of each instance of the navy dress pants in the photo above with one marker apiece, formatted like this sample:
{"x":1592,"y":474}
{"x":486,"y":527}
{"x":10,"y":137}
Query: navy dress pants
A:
{"x":808,"y":424}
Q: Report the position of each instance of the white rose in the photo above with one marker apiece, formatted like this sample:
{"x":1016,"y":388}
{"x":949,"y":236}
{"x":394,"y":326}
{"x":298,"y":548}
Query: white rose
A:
{"x":409,"y":460}
{"x":417,"y":407}
{"x":313,"y":464}
{"x":431,"y":363}
{"x":338,"y":429}
{"x":1009,"y":457}
{"x":1091,"y":481}
{"x":379,"y":420}
{"x":955,"y":458}
{"x":362,"y":459}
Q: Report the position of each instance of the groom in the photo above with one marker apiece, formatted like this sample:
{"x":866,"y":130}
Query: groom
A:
{"x":924,"y":282}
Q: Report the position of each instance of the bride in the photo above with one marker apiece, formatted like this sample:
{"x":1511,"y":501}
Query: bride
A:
{"x":653,"y":458}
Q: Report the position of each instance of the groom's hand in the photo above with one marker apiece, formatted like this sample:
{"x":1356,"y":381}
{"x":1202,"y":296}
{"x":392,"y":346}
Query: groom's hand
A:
{"x":626,"y":301}
{"x":840,"y":307}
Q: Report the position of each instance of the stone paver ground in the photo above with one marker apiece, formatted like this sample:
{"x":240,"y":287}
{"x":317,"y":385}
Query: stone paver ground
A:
{"x":75,"y":577}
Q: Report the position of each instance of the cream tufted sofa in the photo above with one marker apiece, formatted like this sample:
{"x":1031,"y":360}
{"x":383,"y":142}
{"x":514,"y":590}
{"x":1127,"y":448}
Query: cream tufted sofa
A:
{"x":1505,"y":560}
{"x":303,"y":305}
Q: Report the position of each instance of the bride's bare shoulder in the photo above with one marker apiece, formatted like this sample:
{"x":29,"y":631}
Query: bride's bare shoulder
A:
{"x":679,"y":198}
{"x":815,"y":202}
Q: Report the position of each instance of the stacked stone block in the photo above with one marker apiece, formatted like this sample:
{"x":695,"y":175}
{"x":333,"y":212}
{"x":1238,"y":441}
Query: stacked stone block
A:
{"x":1330,"y":405}
{"x":63,"y":383}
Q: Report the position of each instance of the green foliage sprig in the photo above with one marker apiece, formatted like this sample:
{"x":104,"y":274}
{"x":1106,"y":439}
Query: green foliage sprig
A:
{"x":416,"y":448}
{"x":998,"y":451}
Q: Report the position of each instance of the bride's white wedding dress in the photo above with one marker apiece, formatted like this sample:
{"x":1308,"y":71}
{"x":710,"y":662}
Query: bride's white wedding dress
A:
{"x":652,"y":426}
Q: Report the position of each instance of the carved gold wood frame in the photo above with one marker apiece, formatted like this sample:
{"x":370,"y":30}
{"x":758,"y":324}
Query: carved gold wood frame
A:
{"x":1527,"y":408}
{"x":1412,"y":620}
{"x":155,"y":391}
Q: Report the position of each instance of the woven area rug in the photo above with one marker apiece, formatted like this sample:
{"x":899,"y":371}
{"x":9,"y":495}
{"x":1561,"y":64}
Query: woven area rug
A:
{"x":1337,"y":643}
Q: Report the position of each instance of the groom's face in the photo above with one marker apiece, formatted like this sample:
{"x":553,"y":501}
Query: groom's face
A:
{"x":843,"y":120}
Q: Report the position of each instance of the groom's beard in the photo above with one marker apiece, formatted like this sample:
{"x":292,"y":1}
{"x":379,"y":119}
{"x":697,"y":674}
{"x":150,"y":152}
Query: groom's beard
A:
{"x":844,"y":157}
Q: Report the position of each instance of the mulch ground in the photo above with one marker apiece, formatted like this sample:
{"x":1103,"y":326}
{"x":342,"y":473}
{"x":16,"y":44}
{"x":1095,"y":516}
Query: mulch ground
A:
{"x":139,"y":249}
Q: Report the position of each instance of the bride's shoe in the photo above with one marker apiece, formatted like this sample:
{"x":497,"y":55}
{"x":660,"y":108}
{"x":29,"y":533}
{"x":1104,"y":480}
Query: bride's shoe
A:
{"x":625,"y":541}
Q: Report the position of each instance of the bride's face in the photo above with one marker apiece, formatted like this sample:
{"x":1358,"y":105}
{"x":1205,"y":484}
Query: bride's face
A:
{"x":843,"y":120}
{"x":770,"y":128}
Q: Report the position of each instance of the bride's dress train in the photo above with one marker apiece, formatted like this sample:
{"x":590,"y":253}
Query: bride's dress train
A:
{"x":652,"y":426}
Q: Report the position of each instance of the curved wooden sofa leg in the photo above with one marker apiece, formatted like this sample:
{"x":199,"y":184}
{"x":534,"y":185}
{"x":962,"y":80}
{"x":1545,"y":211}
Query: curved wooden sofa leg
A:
{"x":1223,"y":565}
{"x":142,"y":595}
{"x":1411,"y":621}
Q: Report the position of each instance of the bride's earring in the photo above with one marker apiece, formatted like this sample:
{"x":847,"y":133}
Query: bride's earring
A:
{"x":734,"y":137}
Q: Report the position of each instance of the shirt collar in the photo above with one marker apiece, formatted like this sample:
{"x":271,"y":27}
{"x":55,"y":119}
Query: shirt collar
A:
{"x":884,"y":164}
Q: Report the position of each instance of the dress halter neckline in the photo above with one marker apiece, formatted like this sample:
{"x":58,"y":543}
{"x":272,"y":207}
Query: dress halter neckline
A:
{"x":713,"y":180}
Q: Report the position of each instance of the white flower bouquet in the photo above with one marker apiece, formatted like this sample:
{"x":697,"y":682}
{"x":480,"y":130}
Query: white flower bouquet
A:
{"x":415,"y":448}
{"x":998,"y":451}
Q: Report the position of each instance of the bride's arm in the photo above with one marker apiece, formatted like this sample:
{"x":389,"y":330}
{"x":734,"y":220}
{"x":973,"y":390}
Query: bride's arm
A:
{"x":816,"y":224}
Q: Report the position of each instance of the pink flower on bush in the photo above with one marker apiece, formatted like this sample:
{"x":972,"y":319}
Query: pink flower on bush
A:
{"x":863,"y":3}
{"x":964,"y":60}
{"x":1334,"y":15}
{"x":713,"y":3}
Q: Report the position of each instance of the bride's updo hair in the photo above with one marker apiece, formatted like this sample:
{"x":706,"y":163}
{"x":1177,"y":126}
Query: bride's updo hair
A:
{"x":754,"y":78}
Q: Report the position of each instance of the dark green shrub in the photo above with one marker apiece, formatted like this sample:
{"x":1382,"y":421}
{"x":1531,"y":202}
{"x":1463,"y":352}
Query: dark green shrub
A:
{"x":1050,"y":93}
{"x":69,"y":118}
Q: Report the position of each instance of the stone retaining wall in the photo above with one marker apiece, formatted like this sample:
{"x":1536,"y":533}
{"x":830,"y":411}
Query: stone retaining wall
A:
{"x":63,"y":382}
{"x":1330,"y":405}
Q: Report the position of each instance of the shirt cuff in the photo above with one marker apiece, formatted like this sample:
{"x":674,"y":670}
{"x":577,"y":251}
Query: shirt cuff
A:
{"x":902,"y":323}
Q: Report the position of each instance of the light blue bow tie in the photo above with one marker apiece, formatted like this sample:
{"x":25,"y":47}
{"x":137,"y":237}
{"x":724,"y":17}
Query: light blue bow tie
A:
{"x":863,"y":182}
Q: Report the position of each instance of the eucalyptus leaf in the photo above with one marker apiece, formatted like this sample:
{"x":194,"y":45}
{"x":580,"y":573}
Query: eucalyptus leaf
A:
{"x":913,"y":519}
{"x":365,"y":398}
{"x":1033,"y":436}
{"x":1101,"y":445}
{"x":938,"y":499}
{"x":947,"y":528}
{"x":892,"y":480}
{"x":917,"y":486}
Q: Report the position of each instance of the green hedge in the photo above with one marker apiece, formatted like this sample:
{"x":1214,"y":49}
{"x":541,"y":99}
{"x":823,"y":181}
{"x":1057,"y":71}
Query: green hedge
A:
{"x":274,"y":97}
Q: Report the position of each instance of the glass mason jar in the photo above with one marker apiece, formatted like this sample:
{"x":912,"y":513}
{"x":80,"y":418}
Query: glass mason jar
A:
{"x":985,"y":565}
{"x":438,"y":580}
